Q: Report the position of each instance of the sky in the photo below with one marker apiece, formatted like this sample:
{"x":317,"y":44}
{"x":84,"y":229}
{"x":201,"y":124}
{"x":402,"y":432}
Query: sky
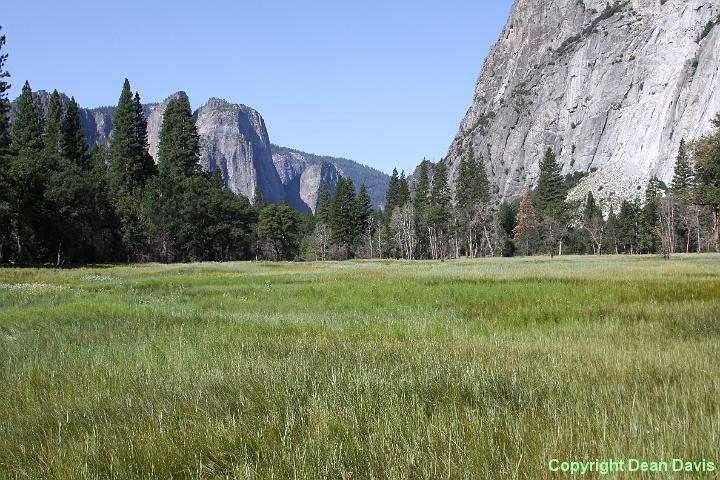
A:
{"x":385,"y":83}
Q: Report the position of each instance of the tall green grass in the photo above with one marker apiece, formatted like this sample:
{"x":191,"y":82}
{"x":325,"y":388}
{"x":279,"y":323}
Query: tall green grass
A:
{"x":466,"y":369}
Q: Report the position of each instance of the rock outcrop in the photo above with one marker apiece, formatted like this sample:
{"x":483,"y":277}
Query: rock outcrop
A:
{"x":303,"y":179}
{"x":612,"y":88}
{"x":234,"y":139}
{"x":289,"y":163}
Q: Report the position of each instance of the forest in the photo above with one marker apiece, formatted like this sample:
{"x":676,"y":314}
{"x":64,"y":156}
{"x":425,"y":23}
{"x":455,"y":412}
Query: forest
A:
{"x":63,"y":202}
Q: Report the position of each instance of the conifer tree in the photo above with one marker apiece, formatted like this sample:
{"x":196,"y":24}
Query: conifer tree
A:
{"x":526,"y":227}
{"x":323,"y":205}
{"x":706,"y":152}
{"x":130,"y":164}
{"x":392,"y":198}
{"x":73,"y":139}
{"x":342,"y":216}
{"x":506,"y":219}
{"x":6,"y":187}
{"x":403,"y":190}
{"x":627,"y":227}
{"x":363,"y":211}
{"x":4,"y":103}
{"x":29,"y":174}
{"x":550,"y":193}
{"x":438,"y":212}
{"x":611,"y":232}
{"x":683,"y":175}
{"x":53,"y":136}
{"x":422,"y":191}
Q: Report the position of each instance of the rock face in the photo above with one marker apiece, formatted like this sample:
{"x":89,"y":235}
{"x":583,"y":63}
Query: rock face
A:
{"x":290,"y":163}
{"x":234,"y":139}
{"x":303,"y":180}
{"x":612,"y":88}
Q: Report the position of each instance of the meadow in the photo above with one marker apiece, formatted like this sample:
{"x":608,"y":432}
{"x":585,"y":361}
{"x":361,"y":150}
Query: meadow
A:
{"x":487,"y":368}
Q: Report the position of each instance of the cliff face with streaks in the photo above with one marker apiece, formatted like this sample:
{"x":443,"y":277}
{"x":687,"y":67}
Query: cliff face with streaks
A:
{"x":612,"y":88}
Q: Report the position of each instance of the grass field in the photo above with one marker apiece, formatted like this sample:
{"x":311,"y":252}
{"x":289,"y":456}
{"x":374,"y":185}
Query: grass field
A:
{"x":465,"y":369}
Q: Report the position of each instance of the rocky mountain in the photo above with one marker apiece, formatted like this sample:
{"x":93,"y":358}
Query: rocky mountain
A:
{"x":612,"y":88}
{"x":234,"y":138}
{"x":290,"y":163}
{"x":303,"y":180}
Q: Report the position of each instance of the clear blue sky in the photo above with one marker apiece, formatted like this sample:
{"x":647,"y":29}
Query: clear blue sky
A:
{"x":385,"y":83}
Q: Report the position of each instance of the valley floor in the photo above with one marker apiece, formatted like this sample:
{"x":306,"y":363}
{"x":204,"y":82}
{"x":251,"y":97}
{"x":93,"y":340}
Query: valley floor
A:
{"x":465,"y":369}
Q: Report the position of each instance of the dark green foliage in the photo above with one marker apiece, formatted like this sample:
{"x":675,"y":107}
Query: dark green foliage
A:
{"x":7,"y":202}
{"x":342,"y":215}
{"x":472,"y":185}
{"x":73,"y":140}
{"x":403,"y":190}
{"x":322,"y":214}
{"x":363,"y":211}
{"x":278,"y":232}
{"x":682,"y":182}
{"x":506,"y":220}
{"x":707,"y":167}
{"x":29,"y":177}
{"x":648,"y":239}
{"x":53,"y":137}
{"x":392,"y":199}
{"x":611,"y":239}
{"x":179,"y":149}
{"x":627,"y":227}
{"x":130,"y":163}
{"x":550,"y":194}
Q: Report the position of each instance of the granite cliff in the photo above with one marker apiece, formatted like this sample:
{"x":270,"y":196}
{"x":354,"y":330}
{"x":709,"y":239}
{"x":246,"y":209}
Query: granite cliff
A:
{"x":612,"y":88}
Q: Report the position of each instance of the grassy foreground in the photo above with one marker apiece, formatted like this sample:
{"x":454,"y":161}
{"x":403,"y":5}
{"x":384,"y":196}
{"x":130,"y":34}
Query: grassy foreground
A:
{"x":466,"y":369}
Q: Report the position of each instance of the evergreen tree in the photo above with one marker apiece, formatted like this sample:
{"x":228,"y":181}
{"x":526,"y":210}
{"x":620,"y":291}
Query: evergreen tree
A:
{"x":707,"y":167}
{"x":506,"y":220}
{"x":403,"y":190}
{"x":130,"y":165}
{"x":627,"y":227}
{"x":259,"y":200}
{"x":438,"y":213}
{"x":278,"y":232}
{"x":422,"y":192}
{"x":611,"y":232}
{"x":4,"y":103}
{"x":363,"y":211}
{"x":683,"y":176}
{"x":392,"y":198}
{"x":526,"y":228}
{"x":593,"y":224}
{"x":323,"y":205}
{"x":53,"y":136}
{"x":342,"y":216}
{"x":648,"y":220}
{"x":73,"y":139}
{"x":550,"y":193}
{"x":29,"y":177}
{"x":6,"y":188}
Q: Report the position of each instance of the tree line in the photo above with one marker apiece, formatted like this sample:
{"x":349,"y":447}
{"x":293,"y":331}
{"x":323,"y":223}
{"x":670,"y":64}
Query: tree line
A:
{"x":62,"y":202}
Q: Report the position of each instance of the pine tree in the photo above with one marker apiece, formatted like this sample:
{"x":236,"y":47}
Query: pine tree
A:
{"x":526,"y":228}
{"x":422,"y":191}
{"x":4,"y":104}
{"x":706,"y":152}
{"x":611,"y":232}
{"x":682,"y":181}
{"x":73,"y":139}
{"x":323,"y":205}
{"x":438,"y":213}
{"x":29,"y":176}
{"x":53,"y":136}
{"x":592,"y":222}
{"x":363,"y":211}
{"x":179,"y":150}
{"x":403,"y":190}
{"x":278,"y":232}
{"x":627,"y":227}
{"x":649,"y":217}
{"x":392,"y":198}
{"x":342,"y":215}
{"x":130,"y":165}
{"x":7,"y":189}
{"x":550,"y":193}
{"x":506,"y":220}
